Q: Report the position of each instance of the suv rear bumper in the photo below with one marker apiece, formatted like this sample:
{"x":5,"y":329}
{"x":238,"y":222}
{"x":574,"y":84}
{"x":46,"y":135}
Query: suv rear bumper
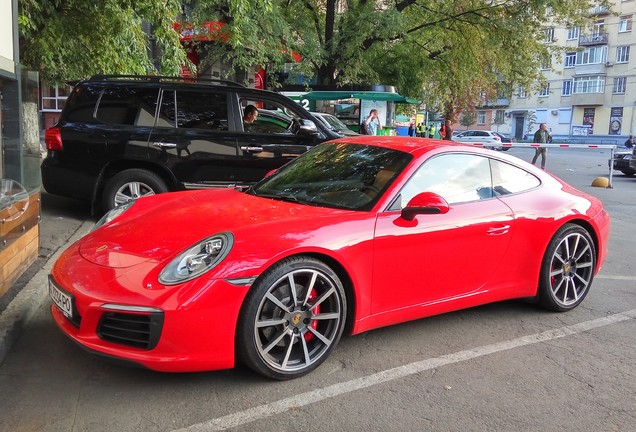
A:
{"x":59,"y":180}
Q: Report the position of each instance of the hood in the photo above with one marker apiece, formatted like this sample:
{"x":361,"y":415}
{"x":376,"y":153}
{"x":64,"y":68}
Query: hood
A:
{"x":158,"y":227}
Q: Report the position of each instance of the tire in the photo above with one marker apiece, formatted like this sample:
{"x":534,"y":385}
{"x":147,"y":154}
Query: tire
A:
{"x":131,"y":184}
{"x":567,"y":269}
{"x":291,"y":319}
{"x":628,"y":173}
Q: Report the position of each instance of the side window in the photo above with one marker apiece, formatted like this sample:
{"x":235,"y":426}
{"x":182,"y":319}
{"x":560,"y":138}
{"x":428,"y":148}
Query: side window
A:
{"x":194,"y":110}
{"x":127,"y":106}
{"x":507,"y":179}
{"x":457,"y":177}
{"x":270,"y":118}
{"x":80,"y":106}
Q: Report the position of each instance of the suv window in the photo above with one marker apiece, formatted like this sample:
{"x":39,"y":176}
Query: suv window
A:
{"x":127,"y":106}
{"x":195,"y":110}
{"x":272,"y":117}
{"x":80,"y":105}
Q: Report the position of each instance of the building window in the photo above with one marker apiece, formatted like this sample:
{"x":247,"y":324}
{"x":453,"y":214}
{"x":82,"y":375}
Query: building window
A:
{"x":619,"y":85}
{"x":499,"y":117}
{"x":622,"y":54}
{"x":545,"y":91}
{"x":521,"y":93}
{"x":592,"y":55}
{"x":599,"y":27}
{"x":53,"y":98}
{"x":549,"y":35}
{"x":566,"y":90}
{"x":481,"y":117}
{"x":545,"y":64}
{"x":570,"y":59}
{"x":589,"y":84}
{"x":625,"y":24}
{"x":573,"y":33}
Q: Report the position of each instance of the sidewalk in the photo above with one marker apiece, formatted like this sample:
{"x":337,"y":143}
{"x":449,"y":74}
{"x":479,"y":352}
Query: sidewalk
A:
{"x":29,"y":298}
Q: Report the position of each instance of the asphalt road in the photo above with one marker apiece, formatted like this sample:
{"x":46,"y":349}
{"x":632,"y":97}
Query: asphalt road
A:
{"x":503,"y":367}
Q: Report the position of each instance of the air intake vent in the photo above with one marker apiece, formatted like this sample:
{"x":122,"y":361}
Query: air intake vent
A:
{"x":135,"y":330}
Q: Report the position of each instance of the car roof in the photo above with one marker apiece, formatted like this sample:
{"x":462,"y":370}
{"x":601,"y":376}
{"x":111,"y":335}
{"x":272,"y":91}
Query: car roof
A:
{"x":412,"y":145}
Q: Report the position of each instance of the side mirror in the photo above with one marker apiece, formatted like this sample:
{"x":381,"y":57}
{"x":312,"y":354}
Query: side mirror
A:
{"x":306,"y":127}
{"x":425,"y":203}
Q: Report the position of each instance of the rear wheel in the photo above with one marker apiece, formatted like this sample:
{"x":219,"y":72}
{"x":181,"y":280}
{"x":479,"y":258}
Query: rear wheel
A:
{"x":129,"y":185}
{"x":291,"y":319}
{"x":567,"y":269}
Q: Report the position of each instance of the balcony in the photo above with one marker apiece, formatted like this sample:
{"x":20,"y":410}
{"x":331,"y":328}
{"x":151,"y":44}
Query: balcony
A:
{"x":587,"y":99}
{"x":496,"y":103}
{"x":593,"y":39}
{"x":591,"y":69}
{"x":599,"y":10}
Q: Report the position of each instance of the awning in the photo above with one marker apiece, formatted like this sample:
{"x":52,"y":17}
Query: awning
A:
{"x":365,"y":95}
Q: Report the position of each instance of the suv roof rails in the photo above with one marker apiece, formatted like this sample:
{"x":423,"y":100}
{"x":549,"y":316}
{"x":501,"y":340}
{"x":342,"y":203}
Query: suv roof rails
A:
{"x":161,"y":78}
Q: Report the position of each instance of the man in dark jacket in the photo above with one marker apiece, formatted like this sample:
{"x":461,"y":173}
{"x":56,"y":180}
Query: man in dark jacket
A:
{"x":541,"y":136}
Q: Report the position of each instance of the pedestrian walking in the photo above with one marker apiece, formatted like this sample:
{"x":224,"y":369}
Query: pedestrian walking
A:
{"x":630,"y":142}
{"x":431,"y":131}
{"x":541,"y":136}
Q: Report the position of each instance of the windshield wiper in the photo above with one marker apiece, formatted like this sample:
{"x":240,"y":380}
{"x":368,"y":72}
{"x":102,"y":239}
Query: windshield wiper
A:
{"x":281,"y":197}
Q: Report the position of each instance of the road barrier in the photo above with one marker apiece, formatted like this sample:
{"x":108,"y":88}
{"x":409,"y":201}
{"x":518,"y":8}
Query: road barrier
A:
{"x":611,"y":147}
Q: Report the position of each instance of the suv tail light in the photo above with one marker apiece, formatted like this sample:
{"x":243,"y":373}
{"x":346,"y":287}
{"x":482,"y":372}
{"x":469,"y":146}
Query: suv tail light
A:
{"x":53,"y":139}
{"x":496,"y":138}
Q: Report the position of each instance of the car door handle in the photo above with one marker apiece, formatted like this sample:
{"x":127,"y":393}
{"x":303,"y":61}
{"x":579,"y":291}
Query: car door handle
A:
{"x":252,"y":149}
{"x":164,"y":145}
{"x":498,"y":230}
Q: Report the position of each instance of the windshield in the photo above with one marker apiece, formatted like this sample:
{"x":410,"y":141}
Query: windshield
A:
{"x":346,"y":176}
{"x":334,"y":122}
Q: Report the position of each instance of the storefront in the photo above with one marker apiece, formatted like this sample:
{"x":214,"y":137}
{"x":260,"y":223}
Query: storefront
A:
{"x":19,"y":156}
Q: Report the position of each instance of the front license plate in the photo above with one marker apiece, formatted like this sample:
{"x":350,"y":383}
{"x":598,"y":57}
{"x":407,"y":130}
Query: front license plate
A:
{"x":62,"y":300}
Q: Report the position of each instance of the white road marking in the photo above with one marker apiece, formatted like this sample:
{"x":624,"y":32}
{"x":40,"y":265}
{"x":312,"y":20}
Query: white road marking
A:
{"x":615,"y":277}
{"x":320,"y":394}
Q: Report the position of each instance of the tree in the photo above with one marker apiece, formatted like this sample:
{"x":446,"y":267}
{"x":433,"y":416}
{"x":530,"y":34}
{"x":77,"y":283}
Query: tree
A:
{"x":73,"y":39}
{"x":451,"y":50}
{"x":467,"y":118}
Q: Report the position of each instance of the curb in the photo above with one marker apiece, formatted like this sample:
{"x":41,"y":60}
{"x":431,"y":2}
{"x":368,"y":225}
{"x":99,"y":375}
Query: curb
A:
{"x":31,"y":297}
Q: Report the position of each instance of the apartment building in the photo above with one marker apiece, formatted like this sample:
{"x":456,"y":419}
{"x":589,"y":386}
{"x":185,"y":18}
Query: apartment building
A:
{"x":590,"y":94}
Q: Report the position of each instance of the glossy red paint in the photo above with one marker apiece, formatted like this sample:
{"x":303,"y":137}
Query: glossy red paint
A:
{"x":394,"y":269}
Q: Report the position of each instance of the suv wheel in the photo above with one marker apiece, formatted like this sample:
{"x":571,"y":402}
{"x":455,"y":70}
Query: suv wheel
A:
{"x":129,"y":185}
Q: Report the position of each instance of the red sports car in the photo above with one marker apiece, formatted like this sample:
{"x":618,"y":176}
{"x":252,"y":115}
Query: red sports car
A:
{"x":356,"y":234}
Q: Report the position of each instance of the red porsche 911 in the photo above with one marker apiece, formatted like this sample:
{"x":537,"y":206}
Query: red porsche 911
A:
{"x":356,"y":234}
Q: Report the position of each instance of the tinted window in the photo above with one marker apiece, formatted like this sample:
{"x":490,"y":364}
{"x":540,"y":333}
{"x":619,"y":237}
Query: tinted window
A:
{"x":127,"y":106}
{"x":509,"y":179}
{"x":80,"y":106}
{"x":456,"y":177}
{"x":195,"y":110}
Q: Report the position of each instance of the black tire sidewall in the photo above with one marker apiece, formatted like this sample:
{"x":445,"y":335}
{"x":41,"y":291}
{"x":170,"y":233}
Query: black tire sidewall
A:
{"x":246,"y":349}
{"x":545,"y":295}
{"x":128,"y":176}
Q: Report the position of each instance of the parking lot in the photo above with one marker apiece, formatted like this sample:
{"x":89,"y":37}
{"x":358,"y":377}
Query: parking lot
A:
{"x":506,"y":366}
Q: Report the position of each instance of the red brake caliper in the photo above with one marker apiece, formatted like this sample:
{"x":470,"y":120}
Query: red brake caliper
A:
{"x":316,"y":310}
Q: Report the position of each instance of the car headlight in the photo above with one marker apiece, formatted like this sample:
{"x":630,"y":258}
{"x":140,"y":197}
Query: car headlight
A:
{"x":112,"y":214}
{"x":197,"y":260}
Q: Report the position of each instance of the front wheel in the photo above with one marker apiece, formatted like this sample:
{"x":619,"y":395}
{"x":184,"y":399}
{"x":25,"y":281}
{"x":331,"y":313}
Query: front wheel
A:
{"x":567,"y":269}
{"x":129,"y":185}
{"x":292,"y":318}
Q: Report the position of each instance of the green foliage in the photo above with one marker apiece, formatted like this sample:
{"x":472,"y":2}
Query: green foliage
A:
{"x":73,"y":39}
{"x":467,"y":118}
{"x":444,"y":52}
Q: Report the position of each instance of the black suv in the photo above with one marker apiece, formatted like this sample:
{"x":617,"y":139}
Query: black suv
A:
{"x":121,"y":137}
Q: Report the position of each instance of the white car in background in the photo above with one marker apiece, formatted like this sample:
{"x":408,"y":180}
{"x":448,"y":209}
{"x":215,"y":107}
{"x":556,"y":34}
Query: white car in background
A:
{"x":489,"y":139}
